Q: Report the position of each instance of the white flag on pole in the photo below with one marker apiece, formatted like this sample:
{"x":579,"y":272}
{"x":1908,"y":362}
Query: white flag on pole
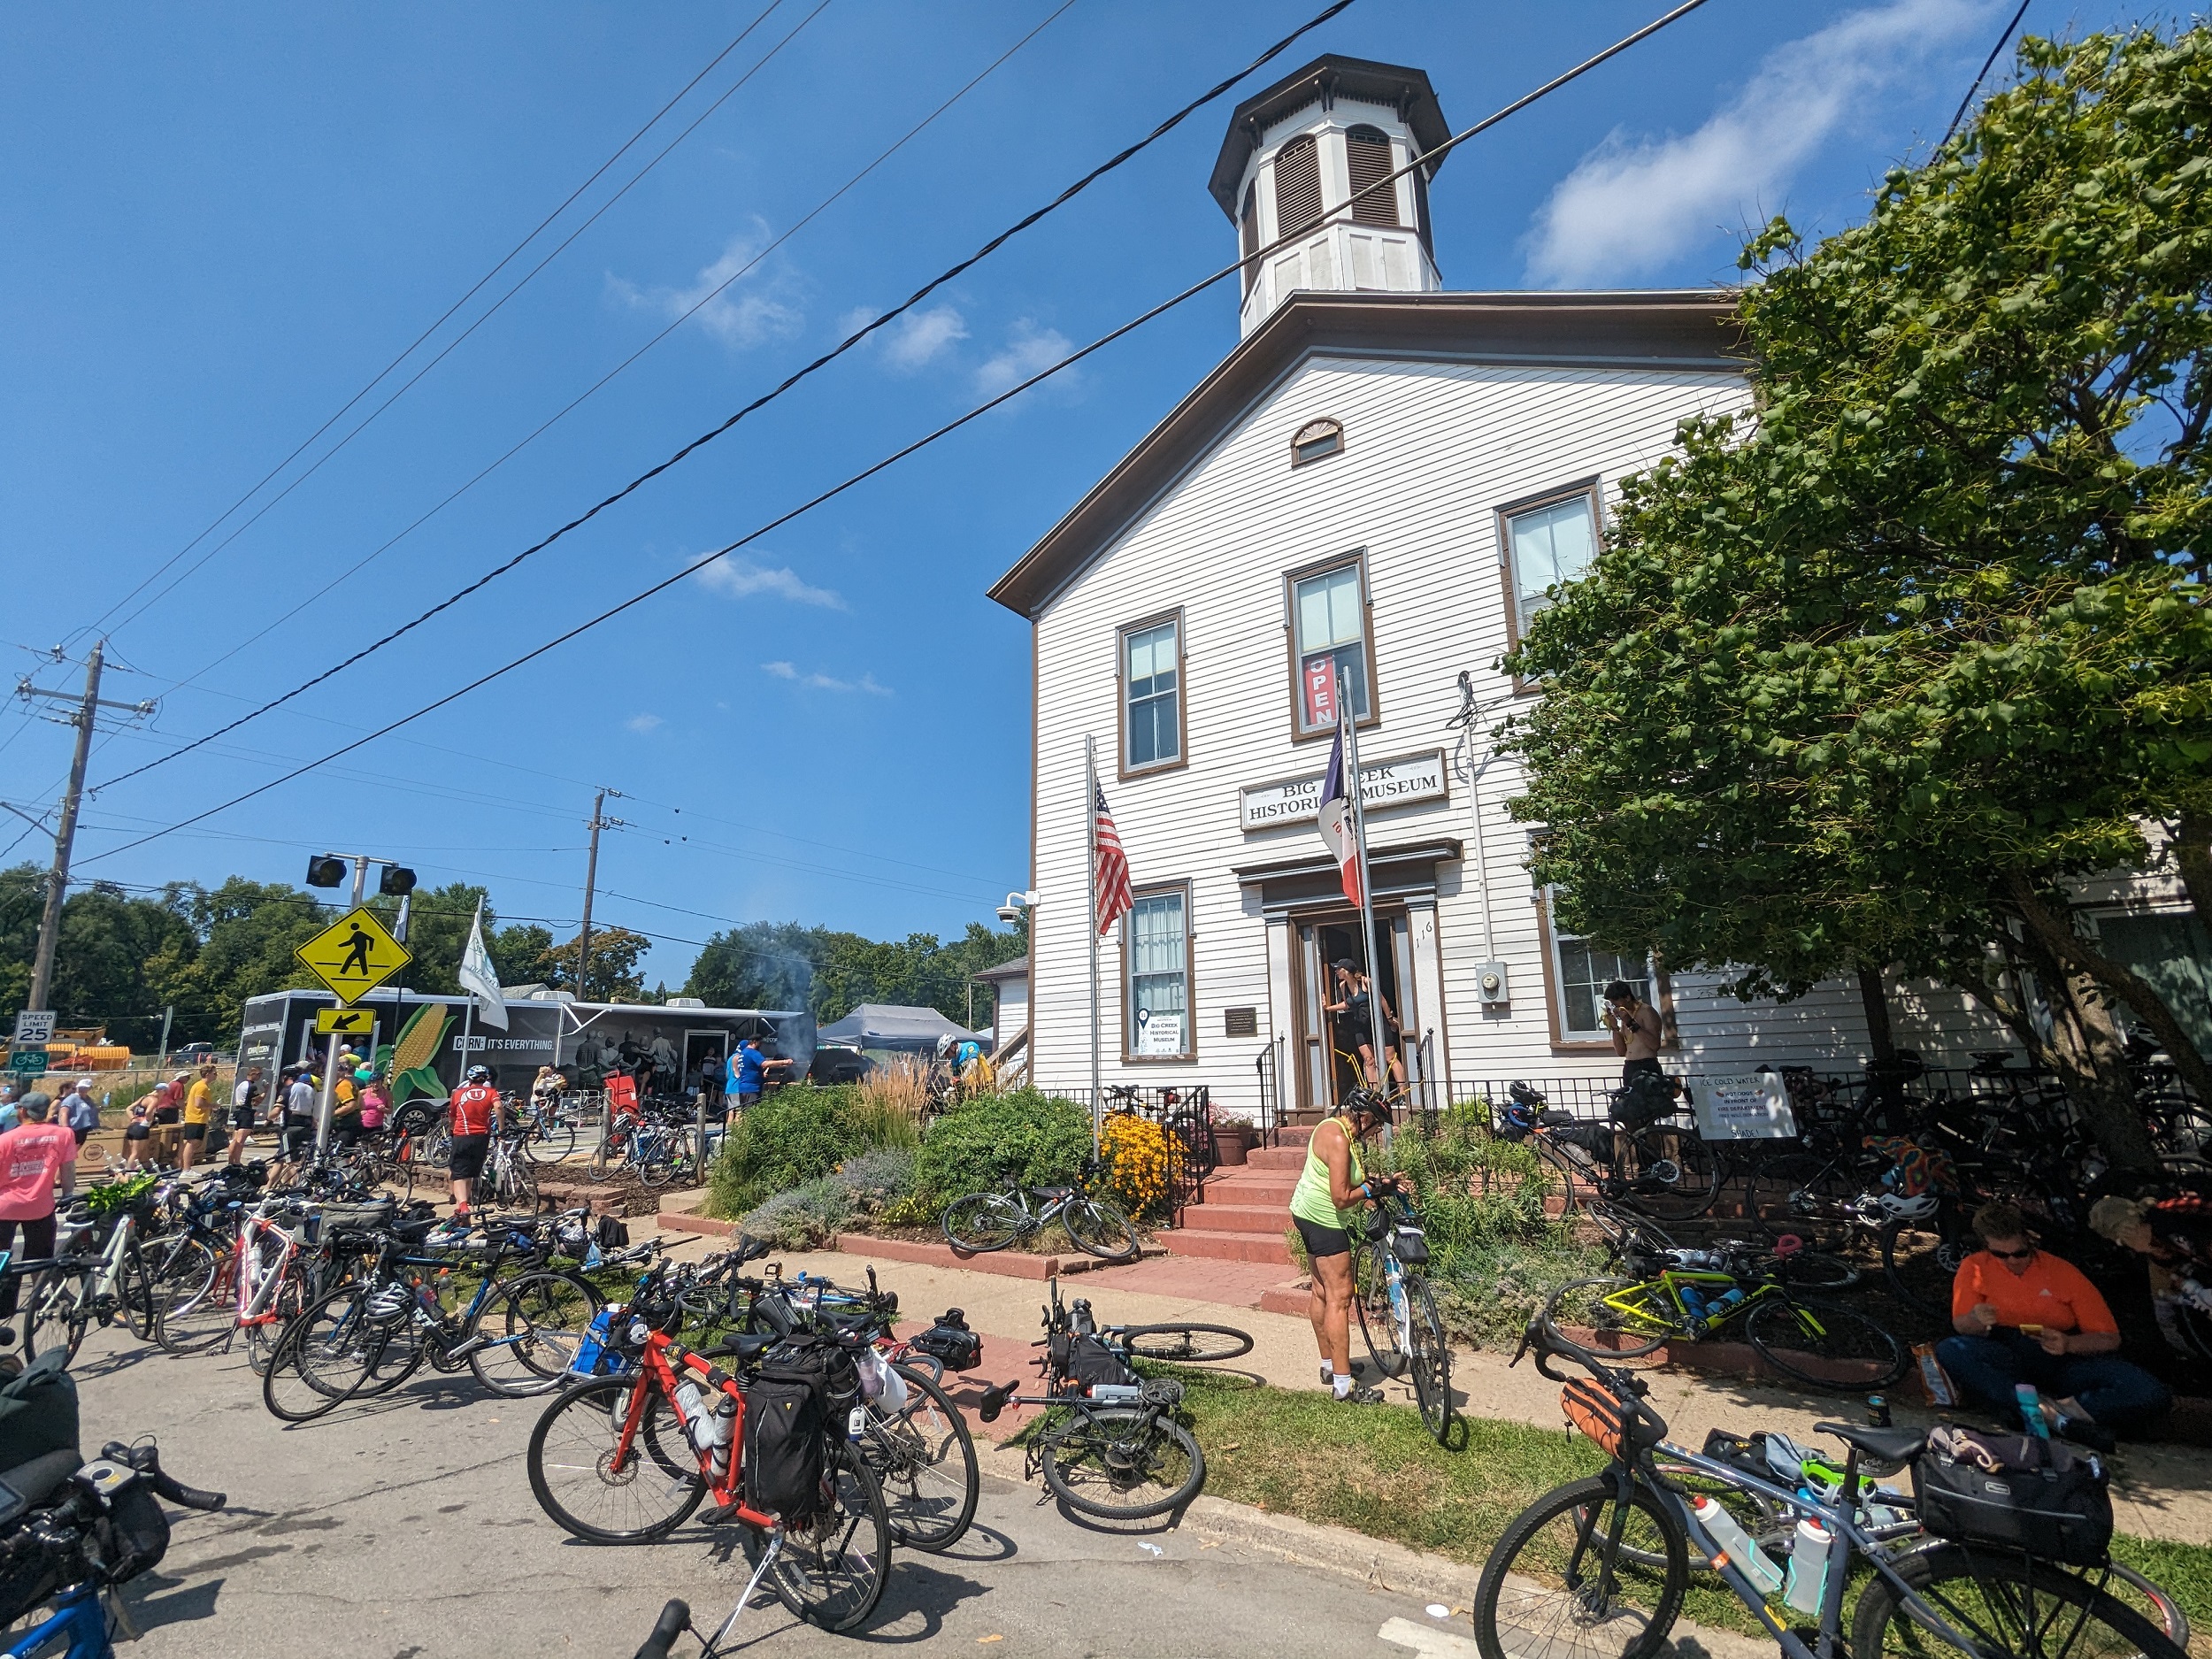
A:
{"x":479,"y":979}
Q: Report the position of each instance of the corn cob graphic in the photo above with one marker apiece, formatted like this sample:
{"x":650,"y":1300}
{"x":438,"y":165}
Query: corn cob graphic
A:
{"x":413,"y":1071}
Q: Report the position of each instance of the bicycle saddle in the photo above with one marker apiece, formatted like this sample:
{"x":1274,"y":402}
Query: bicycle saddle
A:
{"x":415,"y":1229}
{"x":743,"y":1344}
{"x":1888,"y":1446}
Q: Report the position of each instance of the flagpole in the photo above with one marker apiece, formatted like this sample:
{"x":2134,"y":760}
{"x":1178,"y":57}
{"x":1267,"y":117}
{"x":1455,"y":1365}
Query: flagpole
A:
{"x":1090,"y":924}
{"x":1366,"y":892}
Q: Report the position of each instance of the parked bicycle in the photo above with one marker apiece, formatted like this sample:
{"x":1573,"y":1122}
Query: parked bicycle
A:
{"x":979,"y":1222}
{"x":1600,"y":1565}
{"x":1662,"y":1169}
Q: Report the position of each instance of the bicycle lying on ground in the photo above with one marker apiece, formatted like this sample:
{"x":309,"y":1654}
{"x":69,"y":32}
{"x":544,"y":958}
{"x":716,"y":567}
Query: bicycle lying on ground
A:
{"x":979,"y":1222}
{"x":1111,"y":1444}
{"x":1600,"y":1566}
{"x":1689,"y":1295}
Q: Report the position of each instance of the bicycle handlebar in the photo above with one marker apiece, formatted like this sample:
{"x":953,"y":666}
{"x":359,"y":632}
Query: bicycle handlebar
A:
{"x":186,"y":1497}
{"x":674,"y":1620}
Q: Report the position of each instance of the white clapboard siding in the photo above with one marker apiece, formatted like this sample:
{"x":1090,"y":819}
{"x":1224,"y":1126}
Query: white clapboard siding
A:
{"x":1431,"y":449}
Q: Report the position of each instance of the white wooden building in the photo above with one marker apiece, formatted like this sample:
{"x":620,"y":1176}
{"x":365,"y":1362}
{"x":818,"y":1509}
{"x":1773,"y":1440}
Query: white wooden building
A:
{"x":1383,"y":476}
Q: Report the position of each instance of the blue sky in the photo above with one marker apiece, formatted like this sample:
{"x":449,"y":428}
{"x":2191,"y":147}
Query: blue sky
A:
{"x":220,"y":221}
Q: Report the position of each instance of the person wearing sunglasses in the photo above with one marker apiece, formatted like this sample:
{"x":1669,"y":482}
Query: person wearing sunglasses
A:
{"x":2025,"y":1316}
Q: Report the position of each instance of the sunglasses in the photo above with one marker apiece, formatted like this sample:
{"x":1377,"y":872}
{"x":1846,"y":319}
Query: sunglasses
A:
{"x":2013,"y":1255}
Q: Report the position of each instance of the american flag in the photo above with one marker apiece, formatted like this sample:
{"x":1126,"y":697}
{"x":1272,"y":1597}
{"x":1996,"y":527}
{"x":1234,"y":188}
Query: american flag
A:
{"x":1113,"y":866}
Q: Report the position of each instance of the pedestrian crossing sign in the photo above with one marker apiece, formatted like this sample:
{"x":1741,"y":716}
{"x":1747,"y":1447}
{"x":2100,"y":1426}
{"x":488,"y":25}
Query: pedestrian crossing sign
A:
{"x":354,"y":955}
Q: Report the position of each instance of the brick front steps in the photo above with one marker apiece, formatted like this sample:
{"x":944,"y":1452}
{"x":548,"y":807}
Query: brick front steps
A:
{"x":1244,"y":1209}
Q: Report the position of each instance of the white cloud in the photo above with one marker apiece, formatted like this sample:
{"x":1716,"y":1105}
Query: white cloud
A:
{"x":1632,"y":206}
{"x":825,"y":683}
{"x":919,"y":338}
{"x":643,"y":723}
{"x":739,"y":578}
{"x":1029,"y":351}
{"x":736,"y":301}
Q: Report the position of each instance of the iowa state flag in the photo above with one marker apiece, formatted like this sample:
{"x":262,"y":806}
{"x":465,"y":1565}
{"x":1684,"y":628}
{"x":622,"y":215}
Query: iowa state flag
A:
{"x":1337,"y":827}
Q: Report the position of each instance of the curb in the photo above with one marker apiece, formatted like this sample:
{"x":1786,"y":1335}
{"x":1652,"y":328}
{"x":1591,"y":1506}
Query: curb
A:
{"x":684,"y":1221}
{"x":1005,"y":1263}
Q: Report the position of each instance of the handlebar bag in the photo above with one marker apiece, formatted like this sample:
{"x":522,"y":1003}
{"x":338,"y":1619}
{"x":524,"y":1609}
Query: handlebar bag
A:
{"x":951,"y":1343}
{"x":1412,"y":1245}
{"x":1090,"y":1362}
{"x":2016,"y":1491}
{"x":134,"y":1534}
{"x":1614,"y":1424}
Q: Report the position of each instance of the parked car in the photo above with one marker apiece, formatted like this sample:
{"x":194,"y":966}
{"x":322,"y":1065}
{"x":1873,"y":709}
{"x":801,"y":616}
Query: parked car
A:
{"x":194,"y":1054}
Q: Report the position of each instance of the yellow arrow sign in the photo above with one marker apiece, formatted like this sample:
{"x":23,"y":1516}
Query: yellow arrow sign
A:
{"x":354,"y":955}
{"x":347,"y":1022}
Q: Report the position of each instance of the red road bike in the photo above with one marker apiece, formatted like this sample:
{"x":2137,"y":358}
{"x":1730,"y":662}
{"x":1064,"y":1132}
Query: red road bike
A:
{"x":629,"y":1458}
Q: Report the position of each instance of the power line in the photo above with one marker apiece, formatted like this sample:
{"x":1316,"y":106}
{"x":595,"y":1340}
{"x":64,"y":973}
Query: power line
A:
{"x":416,"y":343}
{"x":766,"y":398}
{"x":924,"y":441}
{"x":1988,"y":62}
{"x":597,"y":385}
{"x":450,"y":346}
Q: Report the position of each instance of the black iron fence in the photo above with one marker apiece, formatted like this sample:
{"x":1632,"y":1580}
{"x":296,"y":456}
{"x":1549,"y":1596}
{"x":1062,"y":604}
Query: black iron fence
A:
{"x":1186,"y":1114}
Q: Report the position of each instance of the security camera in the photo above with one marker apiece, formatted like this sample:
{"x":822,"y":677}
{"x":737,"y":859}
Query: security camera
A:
{"x":1008,"y":913}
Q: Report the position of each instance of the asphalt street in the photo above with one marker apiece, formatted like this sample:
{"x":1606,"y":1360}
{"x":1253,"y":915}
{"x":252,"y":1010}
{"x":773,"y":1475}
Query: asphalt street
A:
{"x":406,"y":1527}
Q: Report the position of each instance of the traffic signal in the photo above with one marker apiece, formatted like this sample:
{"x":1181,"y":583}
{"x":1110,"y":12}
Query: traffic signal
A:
{"x":325,"y":871}
{"x":397,"y":881}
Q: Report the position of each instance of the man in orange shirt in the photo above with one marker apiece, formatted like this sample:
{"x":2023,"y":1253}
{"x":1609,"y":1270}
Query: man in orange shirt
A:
{"x":2024,"y":1315}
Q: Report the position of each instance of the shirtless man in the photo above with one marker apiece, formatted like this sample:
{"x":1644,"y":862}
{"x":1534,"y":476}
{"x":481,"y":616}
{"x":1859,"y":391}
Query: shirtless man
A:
{"x":1636,"y":1030}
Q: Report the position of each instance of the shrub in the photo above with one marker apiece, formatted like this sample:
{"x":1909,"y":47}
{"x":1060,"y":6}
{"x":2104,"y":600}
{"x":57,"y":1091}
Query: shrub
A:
{"x":878,"y":1176}
{"x":805,"y":1217}
{"x":1136,"y":1152}
{"x":882,"y":1121}
{"x":1027,"y":1136}
{"x":791,"y":1137}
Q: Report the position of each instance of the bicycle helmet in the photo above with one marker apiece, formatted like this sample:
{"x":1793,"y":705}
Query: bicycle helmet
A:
{"x":364,"y":1074}
{"x":478,"y":1074}
{"x":1897,"y":1207}
{"x":1367,"y":1101}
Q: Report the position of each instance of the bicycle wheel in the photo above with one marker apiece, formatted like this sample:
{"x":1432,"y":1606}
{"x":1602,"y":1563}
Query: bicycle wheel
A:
{"x":1186,"y":1344}
{"x":1919,"y":1264}
{"x":531,"y":1329}
{"x":389,"y":1177}
{"x":1098,"y":1228}
{"x":290,"y":1300}
{"x":334,"y":1350}
{"x":2154,"y":1601}
{"x":983,"y":1222}
{"x":549,"y":1141}
{"x":1580,"y":1572}
{"x":1628,"y":1316}
{"x":1822,"y":1343}
{"x":1671,"y":1174}
{"x":924,"y":1459}
{"x":577,"y":1481}
{"x":193,"y":1324}
{"x":180,"y":1272}
{"x":2007,"y":1604}
{"x":1804,"y":1193}
{"x":1429,"y":1360}
{"x":832,"y":1569}
{"x":1122,"y":1462}
{"x":1809,"y":1270}
{"x":57,"y":1315}
{"x":1372,"y":1306}
{"x":657,"y":1168}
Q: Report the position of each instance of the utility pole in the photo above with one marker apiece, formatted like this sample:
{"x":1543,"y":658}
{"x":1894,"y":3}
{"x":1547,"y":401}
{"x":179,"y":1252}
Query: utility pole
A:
{"x":599,"y":821}
{"x":88,"y":706}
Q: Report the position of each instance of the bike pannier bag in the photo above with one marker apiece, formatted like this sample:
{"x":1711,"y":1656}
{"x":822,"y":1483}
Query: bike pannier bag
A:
{"x":805,"y":1385}
{"x":950,"y":1342}
{"x":614,"y":1233}
{"x":1643,"y":1101}
{"x":2015,"y":1492}
{"x":1090,"y":1362}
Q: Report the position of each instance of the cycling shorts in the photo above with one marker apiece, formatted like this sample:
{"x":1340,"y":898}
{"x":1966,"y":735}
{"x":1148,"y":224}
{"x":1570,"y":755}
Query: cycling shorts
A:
{"x":1322,"y":1240}
{"x":193,"y":1131}
{"x":469,"y":1151}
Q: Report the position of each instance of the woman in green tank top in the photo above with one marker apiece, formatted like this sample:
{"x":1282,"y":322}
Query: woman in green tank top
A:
{"x":1323,"y":1206}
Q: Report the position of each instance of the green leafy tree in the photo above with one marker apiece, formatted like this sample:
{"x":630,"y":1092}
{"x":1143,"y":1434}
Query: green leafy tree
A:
{"x":248,"y":932}
{"x":518,"y":950}
{"x":1880,"y":674}
{"x":611,"y":974}
{"x":784,"y":964}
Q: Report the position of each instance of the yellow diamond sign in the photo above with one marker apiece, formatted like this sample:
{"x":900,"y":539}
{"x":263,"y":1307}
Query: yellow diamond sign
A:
{"x":354,"y":955}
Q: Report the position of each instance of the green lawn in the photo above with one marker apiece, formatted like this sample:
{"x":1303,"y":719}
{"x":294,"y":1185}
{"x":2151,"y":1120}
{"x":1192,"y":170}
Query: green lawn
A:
{"x":1375,"y":1470}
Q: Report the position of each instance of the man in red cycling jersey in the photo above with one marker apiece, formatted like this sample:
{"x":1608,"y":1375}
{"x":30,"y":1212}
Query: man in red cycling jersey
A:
{"x":476,"y":1109}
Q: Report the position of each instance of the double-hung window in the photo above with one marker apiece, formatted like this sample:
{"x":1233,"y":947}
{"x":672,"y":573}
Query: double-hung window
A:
{"x":1152,"y":695}
{"x":1328,"y":623}
{"x":1546,"y":545}
{"x":1157,"y":957}
{"x":1581,"y":968}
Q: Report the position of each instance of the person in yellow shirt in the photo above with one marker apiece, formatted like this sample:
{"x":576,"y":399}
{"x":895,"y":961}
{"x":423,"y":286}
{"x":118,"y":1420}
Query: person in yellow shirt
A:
{"x":199,"y":1111}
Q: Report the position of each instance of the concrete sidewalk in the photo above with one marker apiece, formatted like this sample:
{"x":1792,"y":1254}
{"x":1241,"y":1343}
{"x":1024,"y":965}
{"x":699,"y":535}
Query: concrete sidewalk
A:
{"x":2160,"y":1492}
